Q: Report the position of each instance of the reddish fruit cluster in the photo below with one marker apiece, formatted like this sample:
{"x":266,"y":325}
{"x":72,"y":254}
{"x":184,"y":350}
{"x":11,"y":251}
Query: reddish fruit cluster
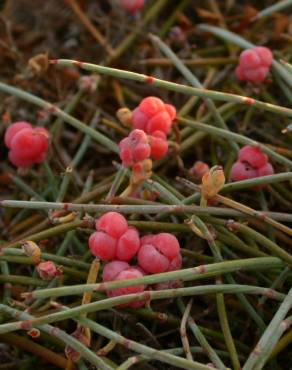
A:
{"x":152,"y":121}
{"x":118,"y":243}
{"x":251,"y":163}
{"x":152,"y":115}
{"x":132,"y":6}
{"x":254,"y":64}
{"x":27,"y":145}
{"x":114,"y":239}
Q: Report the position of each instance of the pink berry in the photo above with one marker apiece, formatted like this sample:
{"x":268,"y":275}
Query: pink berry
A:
{"x":254,"y":64}
{"x":167,"y":244}
{"x":112,"y":269}
{"x":170,"y":109}
{"x":47,"y":270}
{"x":17,"y":160}
{"x":139,"y":119}
{"x":250,"y":59}
{"x":130,"y":273}
{"x":132,"y":6}
{"x":159,"y":122}
{"x":112,"y":223}
{"x":265,"y":55}
{"x":242,"y":171}
{"x":134,"y":148}
{"x":253,"y":156}
{"x":151,"y":260}
{"x":266,"y":170}
{"x":151,"y":106}
{"x":147,"y":239}
{"x":102,"y":245}
{"x":159,"y":147}
{"x":14,"y":129}
{"x":128,"y":245}
{"x":28,"y":143}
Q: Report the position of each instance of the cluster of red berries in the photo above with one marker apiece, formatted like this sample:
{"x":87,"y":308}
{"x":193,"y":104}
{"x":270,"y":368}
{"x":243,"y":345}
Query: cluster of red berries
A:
{"x":251,"y":163}
{"x":254,"y":64}
{"x":152,"y":121}
{"x":132,"y":6}
{"x":28,"y":145}
{"x":118,"y":243}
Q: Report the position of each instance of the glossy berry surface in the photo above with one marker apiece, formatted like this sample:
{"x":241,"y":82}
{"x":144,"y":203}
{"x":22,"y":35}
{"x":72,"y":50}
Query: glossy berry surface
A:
{"x":152,"y":115}
{"x":253,"y":156}
{"x":128,"y":245}
{"x":158,"y":144}
{"x":132,"y":6}
{"x":27,"y":145}
{"x":112,"y":269}
{"x":126,"y":274}
{"x":112,"y":223}
{"x":254,"y":64}
{"x":251,"y":163}
{"x":159,"y":253}
{"x":134,"y":148}
{"x":14,"y":129}
{"x":102,"y":245}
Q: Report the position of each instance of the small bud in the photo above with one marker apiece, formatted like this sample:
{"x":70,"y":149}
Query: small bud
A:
{"x":34,"y":333}
{"x":32,"y":250}
{"x":199,"y":169}
{"x":212,"y":182}
{"x":47,"y":270}
{"x":141,"y":171}
{"x":125,"y":116}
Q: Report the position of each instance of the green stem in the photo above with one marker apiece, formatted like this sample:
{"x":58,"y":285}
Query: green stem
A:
{"x":194,"y":273}
{"x":188,"y":90}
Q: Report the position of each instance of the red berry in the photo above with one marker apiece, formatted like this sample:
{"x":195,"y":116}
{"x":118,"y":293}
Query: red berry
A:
{"x":151,"y":106}
{"x":159,"y":147}
{"x":134,"y":148}
{"x":132,"y":6}
{"x":159,"y":122}
{"x":254,"y":64}
{"x":167,"y":244}
{"x":265,"y":55}
{"x":266,"y":170}
{"x":151,"y":260}
{"x":112,"y":223}
{"x":14,"y":129}
{"x":253,"y":156}
{"x":102,"y":245}
{"x":128,"y":245}
{"x":130,"y":273}
{"x":17,"y":160}
{"x":250,"y":59}
{"x":112,"y":269}
{"x":170,"y":109}
{"x":139,"y":119}
{"x":242,"y":171}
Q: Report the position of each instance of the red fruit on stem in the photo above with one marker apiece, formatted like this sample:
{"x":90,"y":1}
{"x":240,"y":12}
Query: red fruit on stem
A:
{"x":242,"y":171}
{"x":151,"y":260}
{"x":159,"y":122}
{"x":159,"y":147}
{"x":112,"y":269}
{"x":128,"y":245}
{"x":266,"y":170}
{"x":102,"y":245}
{"x":253,"y":156}
{"x":151,"y":106}
{"x":167,"y":244}
{"x":14,"y":129}
{"x":47,"y":270}
{"x":112,"y":223}
{"x":139,"y":119}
